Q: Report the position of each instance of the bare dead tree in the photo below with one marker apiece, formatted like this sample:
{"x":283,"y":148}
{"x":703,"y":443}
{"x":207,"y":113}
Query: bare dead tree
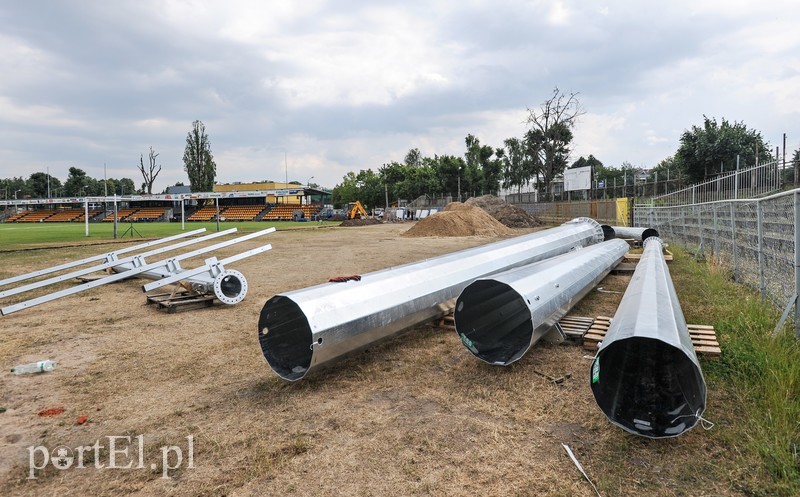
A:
{"x":550,"y":133}
{"x":149,"y":174}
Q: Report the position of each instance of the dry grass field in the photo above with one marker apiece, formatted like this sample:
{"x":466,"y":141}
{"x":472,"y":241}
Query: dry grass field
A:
{"x":417,"y":415}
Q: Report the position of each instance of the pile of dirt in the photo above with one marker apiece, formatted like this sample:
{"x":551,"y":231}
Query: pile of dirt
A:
{"x":360,"y":222}
{"x":458,"y":219}
{"x":508,"y":214}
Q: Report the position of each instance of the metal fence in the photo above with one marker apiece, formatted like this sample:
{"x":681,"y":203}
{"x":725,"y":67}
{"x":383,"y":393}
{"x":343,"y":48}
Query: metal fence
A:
{"x":758,"y":239}
{"x":604,"y":211}
{"x":749,"y":182}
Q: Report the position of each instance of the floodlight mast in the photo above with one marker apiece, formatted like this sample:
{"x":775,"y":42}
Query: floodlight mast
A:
{"x":228,"y":285}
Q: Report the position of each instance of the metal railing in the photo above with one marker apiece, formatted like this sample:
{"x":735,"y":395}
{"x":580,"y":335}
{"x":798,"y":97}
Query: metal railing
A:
{"x":758,"y":239}
{"x":751,"y":182}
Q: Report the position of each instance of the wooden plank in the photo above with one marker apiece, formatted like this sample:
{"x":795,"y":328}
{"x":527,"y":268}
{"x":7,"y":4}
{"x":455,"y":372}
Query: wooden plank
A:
{"x":624,"y":267}
{"x":579,"y":319}
{"x":693,"y":327}
{"x":636,"y":257}
{"x":704,"y":338}
{"x":703,"y":334}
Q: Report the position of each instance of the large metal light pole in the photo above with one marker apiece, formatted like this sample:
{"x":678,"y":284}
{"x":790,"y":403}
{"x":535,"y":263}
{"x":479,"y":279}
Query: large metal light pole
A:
{"x":646,"y":377}
{"x":304,"y":329}
{"x":459,"y":183}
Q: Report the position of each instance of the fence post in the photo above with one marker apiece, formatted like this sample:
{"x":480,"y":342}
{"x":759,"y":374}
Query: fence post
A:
{"x":733,"y":240}
{"x":736,"y":180}
{"x":685,"y":221}
{"x":760,"y":218}
{"x":700,"y":228}
{"x":716,"y":233}
{"x":797,"y":263}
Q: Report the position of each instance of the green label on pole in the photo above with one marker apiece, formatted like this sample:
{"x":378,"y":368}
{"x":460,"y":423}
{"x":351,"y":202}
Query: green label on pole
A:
{"x":468,"y":343}
{"x":596,"y":370}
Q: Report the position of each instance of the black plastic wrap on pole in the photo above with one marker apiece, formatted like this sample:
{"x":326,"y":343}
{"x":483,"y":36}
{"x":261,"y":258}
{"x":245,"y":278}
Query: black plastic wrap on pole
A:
{"x":646,"y":377}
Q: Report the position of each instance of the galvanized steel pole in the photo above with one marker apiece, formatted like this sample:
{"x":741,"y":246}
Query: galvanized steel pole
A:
{"x":640,"y":234}
{"x":302,"y":330}
{"x":500,"y":318}
{"x":646,"y":377}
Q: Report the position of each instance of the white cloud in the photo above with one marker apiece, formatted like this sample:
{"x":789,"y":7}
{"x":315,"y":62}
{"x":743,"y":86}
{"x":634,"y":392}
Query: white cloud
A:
{"x":353,"y":85}
{"x":558,"y":14}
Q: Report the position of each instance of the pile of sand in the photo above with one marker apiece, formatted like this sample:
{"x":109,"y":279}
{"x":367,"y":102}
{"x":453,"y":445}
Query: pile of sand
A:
{"x":360,"y":222}
{"x":509,"y":215}
{"x":458,"y":219}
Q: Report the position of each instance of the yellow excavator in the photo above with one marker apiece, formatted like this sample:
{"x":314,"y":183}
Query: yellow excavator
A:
{"x":356,"y":211}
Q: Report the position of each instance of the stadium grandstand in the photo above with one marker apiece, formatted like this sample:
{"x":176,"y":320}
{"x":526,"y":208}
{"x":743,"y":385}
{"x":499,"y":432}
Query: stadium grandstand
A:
{"x":265,"y":201}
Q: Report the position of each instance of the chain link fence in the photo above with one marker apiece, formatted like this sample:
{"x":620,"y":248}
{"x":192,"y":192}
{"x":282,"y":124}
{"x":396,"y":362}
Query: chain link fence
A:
{"x":758,"y":239}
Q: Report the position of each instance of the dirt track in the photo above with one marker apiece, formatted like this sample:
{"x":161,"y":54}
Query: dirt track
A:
{"x":416,"y":415}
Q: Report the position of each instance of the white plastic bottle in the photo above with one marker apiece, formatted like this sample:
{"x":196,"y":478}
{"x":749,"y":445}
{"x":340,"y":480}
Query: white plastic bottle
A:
{"x":34,"y":367}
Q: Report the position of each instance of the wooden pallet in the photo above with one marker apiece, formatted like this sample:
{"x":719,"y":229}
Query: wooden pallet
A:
{"x":636,"y":257}
{"x":704,"y":337}
{"x":575,"y":327}
{"x":180,"y":301}
{"x":624,"y":267}
{"x":447,"y":322}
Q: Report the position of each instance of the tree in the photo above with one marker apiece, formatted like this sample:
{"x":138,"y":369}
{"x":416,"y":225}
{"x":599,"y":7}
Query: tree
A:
{"x":125,"y":186}
{"x":413,"y":158}
{"x":346,"y":191}
{"x":77,"y":183}
{"x":151,"y":172}
{"x":550,"y":132}
{"x":592,"y":161}
{"x":514,"y":164}
{"x":366,"y":186}
{"x":10,"y":186}
{"x":713,"y":148}
{"x":198,"y":160}
{"x":482,"y":172}
{"x":37,"y":185}
{"x":448,"y":169}
{"x":790,"y":175}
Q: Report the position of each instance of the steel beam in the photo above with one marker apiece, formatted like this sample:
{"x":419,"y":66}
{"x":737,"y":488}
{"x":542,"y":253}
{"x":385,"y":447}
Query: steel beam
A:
{"x":646,"y":377}
{"x":500,"y":318}
{"x":305,"y":329}
{"x":111,"y":262}
{"x":108,"y":256}
{"x":138,"y":265}
{"x":228,"y":285}
{"x":640,"y":234}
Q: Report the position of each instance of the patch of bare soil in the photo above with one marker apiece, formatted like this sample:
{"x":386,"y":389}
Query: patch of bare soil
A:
{"x":415,"y":415}
{"x":458,"y":219}
{"x":510,"y":215}
{"x":367,"y":221}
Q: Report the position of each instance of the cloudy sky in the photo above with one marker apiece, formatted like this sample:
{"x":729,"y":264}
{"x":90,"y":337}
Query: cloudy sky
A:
{"x":322,"y":88}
